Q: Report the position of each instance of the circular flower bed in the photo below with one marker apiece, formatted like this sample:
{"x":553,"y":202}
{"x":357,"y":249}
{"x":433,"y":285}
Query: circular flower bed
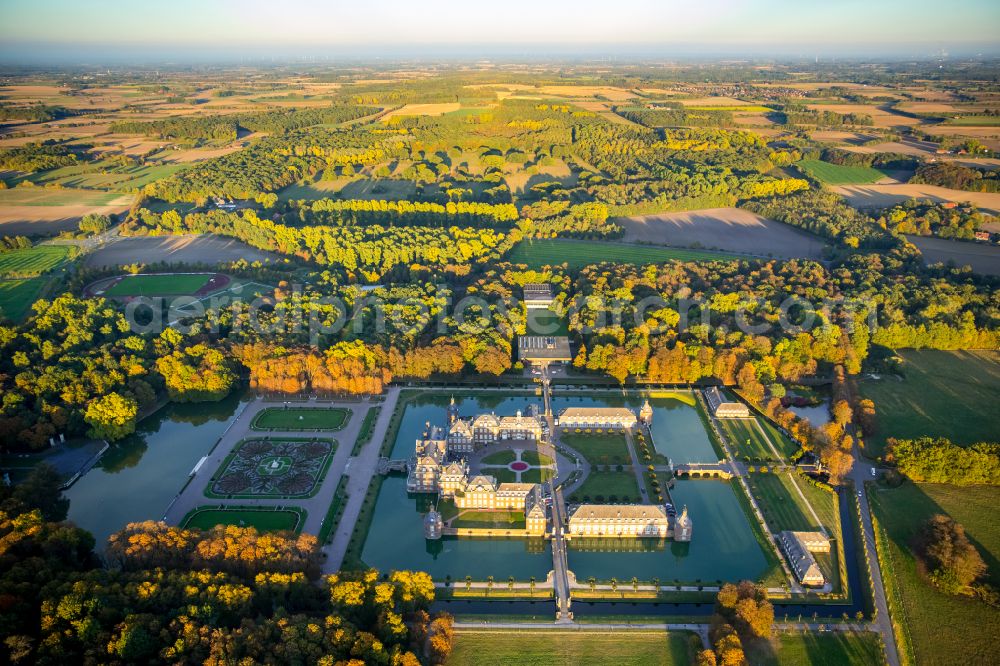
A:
{"x":518,"y":466}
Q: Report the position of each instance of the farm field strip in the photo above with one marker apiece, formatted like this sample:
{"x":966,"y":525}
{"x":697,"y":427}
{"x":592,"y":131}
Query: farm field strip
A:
{"x":836,"y":174}
{"x":33,"y":261}
{"x":537,"y":253}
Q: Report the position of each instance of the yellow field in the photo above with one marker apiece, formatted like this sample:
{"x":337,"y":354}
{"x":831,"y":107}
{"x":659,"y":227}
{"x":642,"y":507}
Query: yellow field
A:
{"x":424,"y":110}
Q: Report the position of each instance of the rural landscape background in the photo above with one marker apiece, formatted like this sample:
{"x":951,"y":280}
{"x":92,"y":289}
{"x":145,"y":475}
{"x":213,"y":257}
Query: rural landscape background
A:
{"x":733,"y":266}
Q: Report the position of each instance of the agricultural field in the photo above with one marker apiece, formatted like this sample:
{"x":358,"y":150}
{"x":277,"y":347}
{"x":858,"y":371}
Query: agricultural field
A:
{"x":569,"y":648}
{"x":981,"y":258}
{"x":183,"y":249}
{"x":836,"y":174}
{"x":888,"y":195}
{"x":33,"y":261}
{"x":57,"y":196}
{"x":728,"y":229}
{"x":48,"y":211}
{"x":263,"y":520}
{"x":16,"y":296}
{"x":578,"y":254}
{"x":950,"y":394}
{"x":975,"y":120}
{"x":881,"y":117}
{"x":98,"y":176}
{"x":940,"y":629}
{"x":170,"y":284}
{"x":301,"y":418}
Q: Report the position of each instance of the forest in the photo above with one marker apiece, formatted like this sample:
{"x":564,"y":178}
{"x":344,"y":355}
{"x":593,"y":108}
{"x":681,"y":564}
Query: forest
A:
{"x":168,"y":595}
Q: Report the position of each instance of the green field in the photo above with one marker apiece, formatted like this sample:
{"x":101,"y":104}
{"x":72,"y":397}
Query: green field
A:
{"x":819,"y":649}
{"x":835,"y":174}
{"x":608,"y":484}
{"x":941,"y":629}
{"x":499,"y":520}
{"x":537,"y":253}
{"x":113,"y":177}
{"x":500,"y":458}
{"x":158,"y":285}
{"x":17,"y":296}
{"x":536,"y":458}
{"x":944,"y":394}
{"x":744,"y":108}
{"x":783,"y":507}
{"x":598,"y":449}
{"x":264,"y":520}
{"x":50,"y":196}
{"x":569,"y":648}
{"x":981,"y":121}
{"x":301,"y":418}
{"x":748,"y":439}
{"x":33,"y":261}
{"x":545,"y":322}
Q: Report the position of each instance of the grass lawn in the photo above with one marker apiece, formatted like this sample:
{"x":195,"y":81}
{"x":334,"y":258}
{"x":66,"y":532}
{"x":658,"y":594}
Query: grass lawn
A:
{"x":33,"y":261}
{"x":603,"y":449}
{"x":941,"y":629}
{"x":500,"y":458}
{"x":158,"y":285}
{"x":835,"y":174}
{"x":605,"y":484}
{"x":544,"y":321}
{"x":527,"y":476}
{"x":535,"y":458}
{"x":17,"y":296}
{"x":747,"y":438}
{"x":816,"y":649}
{"x":365,"y":431}
{"x":569,"y":648}
{"x":786,"y":445}
{"x":263,"y":520}
{"x":945,"y":394}
{"x":300,"y":418}
{"x":783,"y":507}
{"x":551,"y":252}
{"x":490,"y":519}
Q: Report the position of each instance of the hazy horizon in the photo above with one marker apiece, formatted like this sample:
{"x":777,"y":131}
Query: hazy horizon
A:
{"x":113,"y":31}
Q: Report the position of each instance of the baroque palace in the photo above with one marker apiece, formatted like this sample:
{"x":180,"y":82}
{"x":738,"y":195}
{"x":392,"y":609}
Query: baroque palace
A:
{"x":439,"y":466}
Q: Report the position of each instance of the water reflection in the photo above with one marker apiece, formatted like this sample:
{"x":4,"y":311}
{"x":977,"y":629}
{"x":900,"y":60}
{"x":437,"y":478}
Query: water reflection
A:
{"x":138,"y":477}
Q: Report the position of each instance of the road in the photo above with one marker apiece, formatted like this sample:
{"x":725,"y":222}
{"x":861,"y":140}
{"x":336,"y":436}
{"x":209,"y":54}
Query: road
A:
{"x":560,"y":564}
{"x":861,"y":473}
{"x":636,"y":468}
{"x":359,"y":473}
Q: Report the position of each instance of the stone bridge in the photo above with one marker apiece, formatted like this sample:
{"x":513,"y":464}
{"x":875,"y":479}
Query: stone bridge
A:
{"x":705,"y":470}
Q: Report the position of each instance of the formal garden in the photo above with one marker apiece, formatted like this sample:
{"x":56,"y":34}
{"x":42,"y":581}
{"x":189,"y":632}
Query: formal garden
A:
{"x":301,"y":418}
{"x":265,"y":519}
{"x":263,"y":468}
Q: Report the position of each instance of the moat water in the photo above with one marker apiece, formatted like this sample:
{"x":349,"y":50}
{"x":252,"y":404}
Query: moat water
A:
{"x":723,"y":548}
{"x":678,"y":431}
{"x":139,"y":476}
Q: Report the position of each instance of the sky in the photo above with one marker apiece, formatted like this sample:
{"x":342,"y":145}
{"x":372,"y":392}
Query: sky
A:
{"x":192,"y":29}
